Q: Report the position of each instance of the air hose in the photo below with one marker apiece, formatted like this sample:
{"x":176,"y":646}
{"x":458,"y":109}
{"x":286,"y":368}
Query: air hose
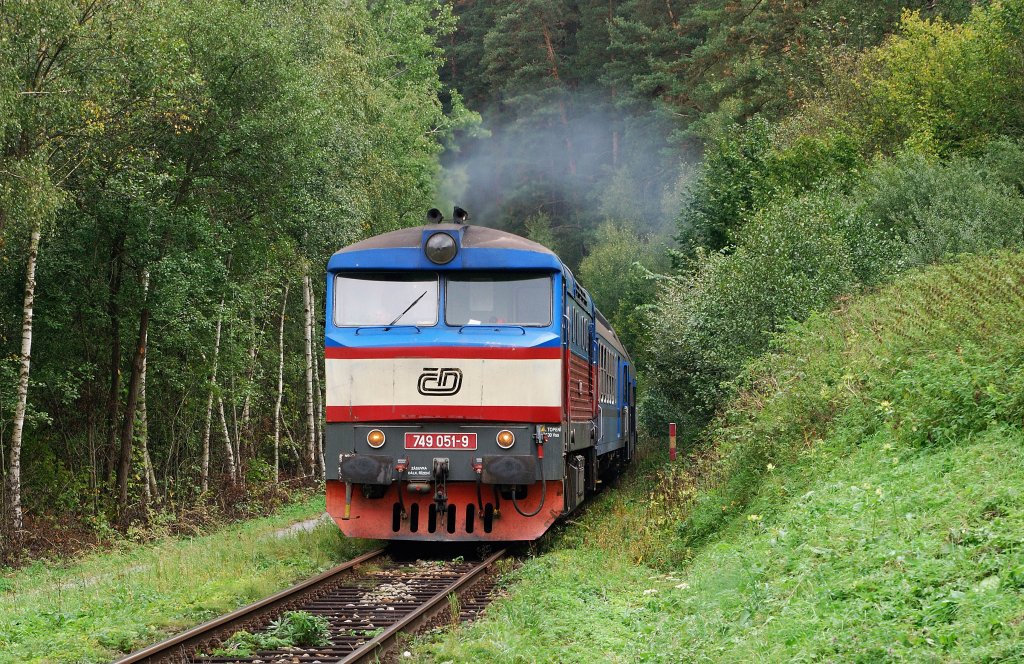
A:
{"x":543,"y":486}
{"x":401,"y":501}
{"x":479,"y":495}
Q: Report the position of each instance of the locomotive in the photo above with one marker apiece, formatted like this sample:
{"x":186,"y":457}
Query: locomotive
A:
{"x":473,"y":390}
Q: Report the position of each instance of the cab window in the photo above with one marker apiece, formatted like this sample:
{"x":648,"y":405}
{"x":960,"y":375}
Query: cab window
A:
{"x":367,"y":299}
{"x":498,"y":299}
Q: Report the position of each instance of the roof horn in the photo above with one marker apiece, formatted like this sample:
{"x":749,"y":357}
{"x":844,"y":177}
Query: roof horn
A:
{"x":461,"y":216}
{"x":434,"y":216}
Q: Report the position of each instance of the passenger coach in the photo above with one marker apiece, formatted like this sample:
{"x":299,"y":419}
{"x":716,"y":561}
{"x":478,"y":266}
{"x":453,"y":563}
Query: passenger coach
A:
{"x":473,"y":390}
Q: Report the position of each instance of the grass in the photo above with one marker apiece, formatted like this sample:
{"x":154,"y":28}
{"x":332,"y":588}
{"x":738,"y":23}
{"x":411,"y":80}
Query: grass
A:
{"x":862,"y":500}
{"x":107,"y":604}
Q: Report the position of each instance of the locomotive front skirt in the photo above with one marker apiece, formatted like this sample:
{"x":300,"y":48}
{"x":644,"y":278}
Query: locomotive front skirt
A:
{"x":473,"y":390}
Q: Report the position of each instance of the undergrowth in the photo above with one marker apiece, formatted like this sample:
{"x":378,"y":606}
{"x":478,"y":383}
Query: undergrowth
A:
{"x":861,"y":499}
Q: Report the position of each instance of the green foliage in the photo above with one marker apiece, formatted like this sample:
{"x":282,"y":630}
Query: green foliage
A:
{"x":726,"y":190}
{"x":932,"y":360}
{"x":927,"y":211}
{"x":791,"y":260}
{"x":259,"y":471}
{"x":1004,"y":160}
{"x":798,"y":252}
{"x":715,"y":63}
{"x":934,"y":86}
{"x":620,"y":272}
{"x":538,"y":229}
{"x":294,"y":629}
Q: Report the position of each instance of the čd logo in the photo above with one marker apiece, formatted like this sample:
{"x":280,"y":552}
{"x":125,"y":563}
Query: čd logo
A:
{"x":439,"y":382}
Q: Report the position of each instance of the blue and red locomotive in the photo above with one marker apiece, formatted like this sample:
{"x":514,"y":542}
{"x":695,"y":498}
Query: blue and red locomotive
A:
{"x":474,"y":392}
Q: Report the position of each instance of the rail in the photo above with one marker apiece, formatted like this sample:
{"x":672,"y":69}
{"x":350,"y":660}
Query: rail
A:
{"x":181,"y":645}
{"x":366,"y":613}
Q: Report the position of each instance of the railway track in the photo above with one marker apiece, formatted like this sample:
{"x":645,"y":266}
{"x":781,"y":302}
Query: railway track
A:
{"x":368,"y":602}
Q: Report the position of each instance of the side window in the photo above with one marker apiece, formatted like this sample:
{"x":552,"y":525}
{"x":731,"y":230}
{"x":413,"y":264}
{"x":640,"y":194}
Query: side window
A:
{"x":604,"y":373}
{"x":614,"y":371}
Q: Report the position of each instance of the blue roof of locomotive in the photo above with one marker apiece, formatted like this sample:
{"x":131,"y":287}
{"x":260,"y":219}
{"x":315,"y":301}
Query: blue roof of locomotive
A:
{"x":480,"y":248}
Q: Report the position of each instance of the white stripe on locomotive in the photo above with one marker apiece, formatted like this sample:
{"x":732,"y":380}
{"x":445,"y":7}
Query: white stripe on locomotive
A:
{"x":485,"y":382}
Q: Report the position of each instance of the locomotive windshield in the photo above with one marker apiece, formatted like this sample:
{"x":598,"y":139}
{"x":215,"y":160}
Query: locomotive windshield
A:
{"x":498,"y":299}
{"x":381,"y":298}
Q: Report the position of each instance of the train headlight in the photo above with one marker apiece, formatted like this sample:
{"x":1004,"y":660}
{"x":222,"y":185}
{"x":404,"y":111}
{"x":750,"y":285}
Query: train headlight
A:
{"x":440,"y":248}
{"x":505,"y":439}
{"x":375,"y":438}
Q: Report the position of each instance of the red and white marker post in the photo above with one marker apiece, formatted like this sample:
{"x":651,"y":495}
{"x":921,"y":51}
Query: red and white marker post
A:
{"x":672,"y":441}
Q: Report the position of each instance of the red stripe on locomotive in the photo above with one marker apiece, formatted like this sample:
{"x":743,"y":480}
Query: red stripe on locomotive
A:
{"x":540,"y":414}
{"x":444,"y":352}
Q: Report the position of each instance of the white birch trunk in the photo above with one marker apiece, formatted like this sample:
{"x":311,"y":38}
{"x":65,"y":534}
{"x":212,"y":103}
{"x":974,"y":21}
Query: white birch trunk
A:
{"x":205,"y":469}
{"x":247,"y":402}
{"x":317,"y":393}
{"x":228,"y":447}
{"x":280,"y":388}
{"x":149,"y":485}
{"x":235,"y":426}
{"x":14,"y":476}
{"x":310,"y":416}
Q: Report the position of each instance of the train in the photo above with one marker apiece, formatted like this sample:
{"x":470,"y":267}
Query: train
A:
{"x":474,"y":392}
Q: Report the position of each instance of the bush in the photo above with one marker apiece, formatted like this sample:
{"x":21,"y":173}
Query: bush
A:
{"x":796,"y":255}
{"x":784,"y":218}
{"x":748,"y":168}
{"x":294,"y":629}
{"x":790,"y":260}
{"x":920,"y":211}
{"x":618,"y":274}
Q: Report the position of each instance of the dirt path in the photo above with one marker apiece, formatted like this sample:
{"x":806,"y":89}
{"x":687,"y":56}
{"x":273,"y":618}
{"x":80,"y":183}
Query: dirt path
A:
{"x":303,"y":526}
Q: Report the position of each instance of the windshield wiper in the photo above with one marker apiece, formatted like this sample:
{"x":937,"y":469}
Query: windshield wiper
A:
{"x":414,"y":303}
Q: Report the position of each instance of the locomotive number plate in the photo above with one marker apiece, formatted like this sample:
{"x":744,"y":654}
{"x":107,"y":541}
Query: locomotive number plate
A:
{"x":440,"y":441}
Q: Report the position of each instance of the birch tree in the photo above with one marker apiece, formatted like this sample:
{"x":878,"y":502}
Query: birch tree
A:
{"x":315,"y":356}
{"x":280,"y":387}
{"x":14,"y":474}
{"x":311,"y":444}
{"x":150,"y":489}
{"x":204,"y":473}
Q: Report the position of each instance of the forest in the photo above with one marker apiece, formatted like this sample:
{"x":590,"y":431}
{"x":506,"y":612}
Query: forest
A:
{"x":174,"y":175}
